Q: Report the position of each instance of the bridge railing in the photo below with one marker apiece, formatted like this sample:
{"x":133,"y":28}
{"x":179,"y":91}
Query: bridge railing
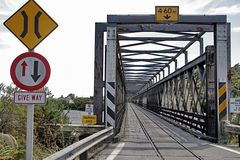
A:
{"x":232,"y":128}
{"x":181,"y":96}
{"x":81,"y":146}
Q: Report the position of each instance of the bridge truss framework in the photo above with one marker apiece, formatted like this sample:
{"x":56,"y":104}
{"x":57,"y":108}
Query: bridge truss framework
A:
{"x":195,"y":96}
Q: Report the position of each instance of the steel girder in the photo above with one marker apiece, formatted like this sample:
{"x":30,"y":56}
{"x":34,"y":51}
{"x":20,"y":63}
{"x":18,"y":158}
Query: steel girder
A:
{"x":100,"y":28}
{"x":185,"y":19}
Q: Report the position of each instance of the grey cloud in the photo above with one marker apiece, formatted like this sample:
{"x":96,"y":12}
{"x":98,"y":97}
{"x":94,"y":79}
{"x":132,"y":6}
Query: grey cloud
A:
{"x":3,"y":6}
{"x":3,"y":45}
{"x":220,"y":3}
{"x":3,"y":17}
{"x":3,"y":28}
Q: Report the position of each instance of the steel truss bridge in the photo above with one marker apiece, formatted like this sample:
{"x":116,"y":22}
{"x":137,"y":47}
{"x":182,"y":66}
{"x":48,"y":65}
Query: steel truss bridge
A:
{"x":172,"y":69}
{"x":179,"y":71}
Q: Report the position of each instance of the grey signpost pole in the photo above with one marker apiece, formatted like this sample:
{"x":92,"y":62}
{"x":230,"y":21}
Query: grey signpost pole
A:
{"x":30,"y":129}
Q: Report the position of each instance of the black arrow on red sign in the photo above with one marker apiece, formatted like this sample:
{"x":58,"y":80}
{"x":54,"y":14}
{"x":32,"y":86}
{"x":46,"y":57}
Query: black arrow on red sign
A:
{"x":24,"y":65}
{"x":35,"y":75}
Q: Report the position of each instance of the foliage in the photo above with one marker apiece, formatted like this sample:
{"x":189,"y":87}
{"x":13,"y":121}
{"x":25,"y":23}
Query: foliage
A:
{"x":77,"y":103}
{"x":235,"y":81}
{"x":235,"y":89}
{"x":45,"y":119}
{"x":48,"y":137}
{"x":13,"y":122}
{"x":235,"y":93}
{"x":7,"y":151}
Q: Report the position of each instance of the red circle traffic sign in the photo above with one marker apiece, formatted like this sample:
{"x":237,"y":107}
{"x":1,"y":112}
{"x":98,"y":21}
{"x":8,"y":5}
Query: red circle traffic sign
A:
{"x":30,"y":71}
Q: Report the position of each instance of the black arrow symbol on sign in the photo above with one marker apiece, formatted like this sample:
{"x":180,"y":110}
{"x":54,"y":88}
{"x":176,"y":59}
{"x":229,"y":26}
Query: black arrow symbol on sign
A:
{"x":167,"y":16}
{"x":35,"y":75}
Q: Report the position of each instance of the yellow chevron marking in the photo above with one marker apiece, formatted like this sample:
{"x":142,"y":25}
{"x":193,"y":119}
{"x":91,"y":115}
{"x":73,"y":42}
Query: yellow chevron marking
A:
{"x":222,"y":106}
{"x":222,"y":90}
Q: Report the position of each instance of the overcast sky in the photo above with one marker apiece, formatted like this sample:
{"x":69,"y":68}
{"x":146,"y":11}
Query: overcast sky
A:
{"x":70,"y":48}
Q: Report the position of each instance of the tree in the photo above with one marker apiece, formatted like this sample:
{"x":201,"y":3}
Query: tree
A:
{"x":235,"y":81}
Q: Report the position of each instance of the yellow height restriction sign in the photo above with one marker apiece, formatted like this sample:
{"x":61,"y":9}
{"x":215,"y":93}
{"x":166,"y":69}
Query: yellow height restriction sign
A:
{"x":167,"y":13}
{"x":30,"y":24}
{"x":89,"y":119}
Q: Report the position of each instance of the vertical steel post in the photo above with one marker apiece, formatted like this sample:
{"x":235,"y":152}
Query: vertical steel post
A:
{"x":30,"y":129}
{"x":110,"y":105}
{"x":211,"y":108}
{"x":98,"y":71}
{"x":222,"y":65}
{"x":186,"y":57}
{"x":176,"y":65}
{"x":169,"y":70}
{"x":201,"y":45}
{"x":229,"y":65}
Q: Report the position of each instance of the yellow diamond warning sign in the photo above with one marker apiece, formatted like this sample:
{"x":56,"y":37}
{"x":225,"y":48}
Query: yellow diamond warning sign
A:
{"x":166,"y":13}
{"x":89,"y":119}
{"x":30,"y":24}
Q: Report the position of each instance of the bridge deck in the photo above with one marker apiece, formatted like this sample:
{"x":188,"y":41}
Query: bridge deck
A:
{"x":145,"y":136}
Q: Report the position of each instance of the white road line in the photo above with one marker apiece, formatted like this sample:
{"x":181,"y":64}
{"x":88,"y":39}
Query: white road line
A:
{"x":116,"y":151}
{"x":225,"y":148}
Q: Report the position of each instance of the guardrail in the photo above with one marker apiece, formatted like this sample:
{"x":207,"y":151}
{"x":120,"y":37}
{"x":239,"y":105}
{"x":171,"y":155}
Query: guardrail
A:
{"x":81,"y":146}
{"x":232,"y":128}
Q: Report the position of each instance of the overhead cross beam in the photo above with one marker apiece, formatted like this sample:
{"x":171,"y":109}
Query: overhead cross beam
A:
{"x":150,"y":19}
{"x":139,"y":70}
{"x":176,"y":28}
{"x":139,"y":73}
{"x":125,"y":38}
{"x":150,"y":51}
{"x":146,"y":60}
{"x":151,"y":42}
{"x":151,"y":66}
{"x":153,"y":54}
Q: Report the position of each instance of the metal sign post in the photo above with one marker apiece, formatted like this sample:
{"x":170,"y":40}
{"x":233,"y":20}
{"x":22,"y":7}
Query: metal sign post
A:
{"x":30,"y":127}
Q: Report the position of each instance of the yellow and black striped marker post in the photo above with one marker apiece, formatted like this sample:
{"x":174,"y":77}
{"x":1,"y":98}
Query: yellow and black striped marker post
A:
{"x":222,"y":100}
